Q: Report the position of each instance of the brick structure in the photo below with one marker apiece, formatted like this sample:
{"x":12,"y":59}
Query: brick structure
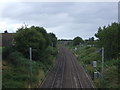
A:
{"x":6,"y":39}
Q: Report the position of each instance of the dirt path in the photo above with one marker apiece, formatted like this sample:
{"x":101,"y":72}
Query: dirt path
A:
{"x":67,"y":73}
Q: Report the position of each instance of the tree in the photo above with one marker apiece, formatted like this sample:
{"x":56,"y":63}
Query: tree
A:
{"x":90,"y":41}
{"x":44,"y":33}
{"x":53,"y":39}
{"x":108,"y":37}
{"x":77,"y":40}
{"x":30,"y":37}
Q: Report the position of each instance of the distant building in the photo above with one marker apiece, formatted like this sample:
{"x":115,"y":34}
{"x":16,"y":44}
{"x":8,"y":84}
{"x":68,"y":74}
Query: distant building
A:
{"x":6,"y":39}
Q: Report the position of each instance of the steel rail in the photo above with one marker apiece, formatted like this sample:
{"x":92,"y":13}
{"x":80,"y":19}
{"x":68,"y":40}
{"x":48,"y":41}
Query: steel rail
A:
{"x":61,"y":65}
{"x":76,"y":69}
{"x":87,"y":76}
{"x":71,"y":79}
{"x":55,"y":75}
{"x":63,"y":71}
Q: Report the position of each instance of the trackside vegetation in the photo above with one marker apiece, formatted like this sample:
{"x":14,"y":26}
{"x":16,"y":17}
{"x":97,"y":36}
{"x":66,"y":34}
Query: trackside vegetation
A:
{"x":90,"y":50}
{"x":86,"y":55}
{"x":16,"y":63}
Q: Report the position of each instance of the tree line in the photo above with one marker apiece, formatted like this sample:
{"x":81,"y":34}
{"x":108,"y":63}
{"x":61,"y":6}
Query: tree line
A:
{"x":42,"y":43}
{"x":16,"y":57}
{"x":107,"y":37}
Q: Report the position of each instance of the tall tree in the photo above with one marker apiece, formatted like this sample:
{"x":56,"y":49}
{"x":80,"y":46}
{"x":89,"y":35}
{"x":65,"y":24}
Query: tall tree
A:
{"x":77,"y":40}
{"x":108,"y":37}
{"x":31,"y":37}
{"x":53,"y":39}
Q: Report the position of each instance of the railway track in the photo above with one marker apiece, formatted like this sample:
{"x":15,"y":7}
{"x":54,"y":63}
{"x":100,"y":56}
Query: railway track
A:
{"x":67,"y":79}
{"x":58,"y":79}
{"x":77,"y":80}
{"x":83,"y":77}
{"x":66,"y":73}
{"x":54,"y":78}
{"x":49,"y":77}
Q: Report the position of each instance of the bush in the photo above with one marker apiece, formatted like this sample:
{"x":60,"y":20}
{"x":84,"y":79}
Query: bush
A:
{"x":17,"y":71}
{"x":0,"y":50}
{"x":111,"y":73}
{"x":77,"y":40}
{"x":11,"y":79}
{"x":17,"y":58}
{"x":51,"y":50}
{"x":6,"y":51}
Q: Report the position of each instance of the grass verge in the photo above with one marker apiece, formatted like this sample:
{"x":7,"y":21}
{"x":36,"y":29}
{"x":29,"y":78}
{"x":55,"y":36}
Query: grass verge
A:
{"x":86,"y":55}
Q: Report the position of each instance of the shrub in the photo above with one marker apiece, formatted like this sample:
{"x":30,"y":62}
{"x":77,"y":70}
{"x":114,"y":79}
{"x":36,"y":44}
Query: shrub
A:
{"x":15,"y":57}
{"x":6,"y":51}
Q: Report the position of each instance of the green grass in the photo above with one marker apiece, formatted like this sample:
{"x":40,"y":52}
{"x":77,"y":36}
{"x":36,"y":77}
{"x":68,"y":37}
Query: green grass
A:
{"x":18,"y":77}
{"x":0,"y":49}
{"x":0,"y":53}
{"x":86,"y":55}
{"x":16,"y":71}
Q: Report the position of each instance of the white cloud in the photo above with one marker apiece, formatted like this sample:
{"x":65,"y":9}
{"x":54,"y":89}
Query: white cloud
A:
{"x":59,"y":1}
{"x":66,"y":20}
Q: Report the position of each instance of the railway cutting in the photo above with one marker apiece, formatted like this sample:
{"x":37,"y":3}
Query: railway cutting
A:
{"x":67,"y":73}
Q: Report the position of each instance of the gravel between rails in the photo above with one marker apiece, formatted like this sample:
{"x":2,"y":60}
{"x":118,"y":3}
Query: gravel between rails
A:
{"x":67,"y":73}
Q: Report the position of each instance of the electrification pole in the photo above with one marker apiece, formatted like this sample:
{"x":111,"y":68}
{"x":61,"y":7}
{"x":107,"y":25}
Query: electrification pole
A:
{"x":102,"y":65}
{"x":30,"y":67}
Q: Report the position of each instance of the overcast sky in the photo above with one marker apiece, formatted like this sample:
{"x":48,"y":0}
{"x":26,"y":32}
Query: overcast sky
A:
{"x":66,"y":19}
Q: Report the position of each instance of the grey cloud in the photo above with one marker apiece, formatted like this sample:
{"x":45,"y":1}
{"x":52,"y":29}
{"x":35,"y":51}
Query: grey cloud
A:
{"x":65,"y":19}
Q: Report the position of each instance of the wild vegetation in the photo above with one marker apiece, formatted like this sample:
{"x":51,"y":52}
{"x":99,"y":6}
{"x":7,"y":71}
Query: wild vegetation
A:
{"x":109,"y":38}
{"x":90,"y":50}
{"x":77,"y":40}
{"x":16,"y":63}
